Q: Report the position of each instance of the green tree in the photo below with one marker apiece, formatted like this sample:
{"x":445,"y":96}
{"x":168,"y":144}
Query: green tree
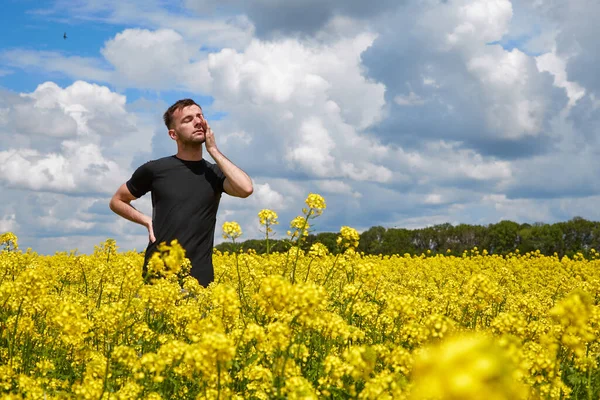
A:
{"x":371,"y":240}
{"x":546,"y":238}
{"x":577,"y":235}
{"x":503,"y":237}
{"x":466,"y":237}
{"x":397,"y":241}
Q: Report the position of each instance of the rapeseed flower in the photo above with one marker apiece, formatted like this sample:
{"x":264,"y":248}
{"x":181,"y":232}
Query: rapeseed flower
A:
{"x":348,"y":237}
{"x":318,"y":250}
{"x":231,"y":230}
{"x":268,"y":218}
{"x":316,"y":203}
{"x":10,"y":241}
{"x":346,"y":325}
{"x":300,"y":227}
{"x":465,"y":367}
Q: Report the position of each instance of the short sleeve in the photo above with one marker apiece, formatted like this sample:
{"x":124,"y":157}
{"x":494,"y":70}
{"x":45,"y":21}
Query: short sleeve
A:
{"x":218,"y":176}
{"x":141,"y":181}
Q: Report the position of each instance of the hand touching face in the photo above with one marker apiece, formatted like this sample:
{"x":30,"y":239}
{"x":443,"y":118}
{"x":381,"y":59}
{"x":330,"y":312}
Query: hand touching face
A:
{"x":210,"y":142}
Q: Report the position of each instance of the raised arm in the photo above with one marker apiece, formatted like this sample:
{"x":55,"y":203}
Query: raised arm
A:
{"x":120,"y":204}
{"x":237,"y":183}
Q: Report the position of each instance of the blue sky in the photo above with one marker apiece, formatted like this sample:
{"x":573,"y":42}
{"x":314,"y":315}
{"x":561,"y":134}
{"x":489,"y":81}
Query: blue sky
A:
{"x":29,"y":25}
{"x":26,"y":27}
{"x":401,"y":114}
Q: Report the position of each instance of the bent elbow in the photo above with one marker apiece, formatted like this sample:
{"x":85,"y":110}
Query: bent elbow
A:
{"x":111,"y":204}
{"x":114,"y":204}
{"x":247,"y":192}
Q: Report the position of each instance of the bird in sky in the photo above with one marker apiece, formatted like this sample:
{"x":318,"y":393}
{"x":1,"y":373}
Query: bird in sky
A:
{"x":65,"y":35}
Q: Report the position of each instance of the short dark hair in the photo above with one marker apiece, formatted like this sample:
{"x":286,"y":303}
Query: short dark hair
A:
{"x":168,"y":115}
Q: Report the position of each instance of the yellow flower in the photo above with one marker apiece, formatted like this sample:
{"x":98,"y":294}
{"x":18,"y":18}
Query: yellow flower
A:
{"x":316,"y":203}
{"x":465,"y":367}
{"x":300,"y":227}
{"x":9,"y":240}
{"x":299,"y":223}
{"x":268,"y":217}
{"x":348,"y":325}
{"x":231,"y":230}
{"x":169,"y":261}
{"x":573,"y":313}
{"x":349,"y":237}
{"x":318,"y":250}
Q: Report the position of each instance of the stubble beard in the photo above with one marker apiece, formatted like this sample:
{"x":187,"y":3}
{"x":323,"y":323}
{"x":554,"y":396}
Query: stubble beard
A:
{"x":192,"y":143}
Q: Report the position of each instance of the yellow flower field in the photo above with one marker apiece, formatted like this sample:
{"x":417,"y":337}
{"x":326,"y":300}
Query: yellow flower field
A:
{"x":298,"y":324}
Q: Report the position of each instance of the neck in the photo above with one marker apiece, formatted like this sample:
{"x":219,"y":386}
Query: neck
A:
{"x":189,"y":153}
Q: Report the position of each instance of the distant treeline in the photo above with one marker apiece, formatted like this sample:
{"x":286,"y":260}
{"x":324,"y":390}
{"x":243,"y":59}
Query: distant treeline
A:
{"x":563,"y":238}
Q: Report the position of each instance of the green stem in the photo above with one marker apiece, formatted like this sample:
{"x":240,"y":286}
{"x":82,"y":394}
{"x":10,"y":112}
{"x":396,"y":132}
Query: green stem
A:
{"x":99,"y":301}
{"x":298,"y":245}
{"x":105,"y":383}
{"x":287,"y":258}
{"x":330,"y":273}
{"x":13,"y":339}
{"x":240,"y":291}
{"x":267,"y":228}
{"x":84,"y":280}
{"x":589,"y":383}
{"x":308,"y":270}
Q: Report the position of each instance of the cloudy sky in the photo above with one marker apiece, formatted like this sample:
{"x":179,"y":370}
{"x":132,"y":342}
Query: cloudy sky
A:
{"x":401,"y":113}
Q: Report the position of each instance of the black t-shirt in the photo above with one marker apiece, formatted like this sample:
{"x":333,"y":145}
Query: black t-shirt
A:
{"x":185,"y":200}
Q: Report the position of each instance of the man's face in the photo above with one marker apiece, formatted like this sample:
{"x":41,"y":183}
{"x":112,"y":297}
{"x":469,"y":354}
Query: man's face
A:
{"x":189,"y":125}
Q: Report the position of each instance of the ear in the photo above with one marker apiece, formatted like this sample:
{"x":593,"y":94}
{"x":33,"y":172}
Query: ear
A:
{"x":172,"y":134}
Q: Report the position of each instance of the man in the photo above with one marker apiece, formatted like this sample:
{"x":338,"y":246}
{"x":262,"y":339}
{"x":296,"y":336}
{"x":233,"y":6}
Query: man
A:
{"x":186,"y":190}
